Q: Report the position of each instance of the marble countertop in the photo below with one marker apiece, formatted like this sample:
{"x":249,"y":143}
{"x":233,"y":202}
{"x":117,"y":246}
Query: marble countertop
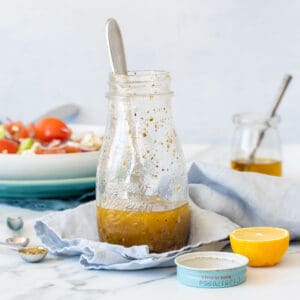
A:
{"x":62,"y":278}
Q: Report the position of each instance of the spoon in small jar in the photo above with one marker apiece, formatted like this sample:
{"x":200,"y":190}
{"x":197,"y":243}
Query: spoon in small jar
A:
{"x":275,"y":106}
{"x":29,"y":254}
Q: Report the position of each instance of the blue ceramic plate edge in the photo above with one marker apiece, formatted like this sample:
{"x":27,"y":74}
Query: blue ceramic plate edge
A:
{"x":48,"y":181}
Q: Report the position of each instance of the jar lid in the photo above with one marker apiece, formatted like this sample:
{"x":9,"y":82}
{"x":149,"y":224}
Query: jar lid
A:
{"x":211,"y":269}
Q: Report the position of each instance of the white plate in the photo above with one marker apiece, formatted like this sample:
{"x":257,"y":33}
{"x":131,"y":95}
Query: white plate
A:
{"x":51,"y":166}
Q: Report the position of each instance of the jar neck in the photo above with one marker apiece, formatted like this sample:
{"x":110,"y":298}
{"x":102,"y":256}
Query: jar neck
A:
{"x":138,"y":110}
{"x":255,"y":120}
{"x":139,"y":84}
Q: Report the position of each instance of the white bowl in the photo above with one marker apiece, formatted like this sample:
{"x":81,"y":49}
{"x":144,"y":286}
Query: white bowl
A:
{"x":51,"y":166}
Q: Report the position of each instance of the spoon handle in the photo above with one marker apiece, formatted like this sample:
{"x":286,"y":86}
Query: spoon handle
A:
{"x":119,"y":67}
{"x":116,"y":47}
{"x":13,"y":247}
{"x":283,"y":89}
{"x":65,"y":112}
{"x":285,"y":85}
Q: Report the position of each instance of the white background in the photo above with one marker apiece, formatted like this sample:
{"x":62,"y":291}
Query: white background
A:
{"x":225,"y":56}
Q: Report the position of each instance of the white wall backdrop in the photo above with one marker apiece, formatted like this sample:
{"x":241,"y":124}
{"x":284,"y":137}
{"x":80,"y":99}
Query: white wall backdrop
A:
{"x":225,"y":56}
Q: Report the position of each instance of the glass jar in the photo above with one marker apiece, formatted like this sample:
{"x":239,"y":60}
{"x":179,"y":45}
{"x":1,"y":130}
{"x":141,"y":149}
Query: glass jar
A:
{"x":142,"y":191}
{"x":256,"y":145}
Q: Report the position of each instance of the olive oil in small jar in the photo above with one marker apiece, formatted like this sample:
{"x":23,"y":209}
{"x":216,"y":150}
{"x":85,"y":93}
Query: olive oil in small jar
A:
{"x":248,"y":128}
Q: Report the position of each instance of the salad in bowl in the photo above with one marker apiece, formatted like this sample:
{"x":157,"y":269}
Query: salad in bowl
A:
{"x":48,"y":136}
{"x":49,"y":149}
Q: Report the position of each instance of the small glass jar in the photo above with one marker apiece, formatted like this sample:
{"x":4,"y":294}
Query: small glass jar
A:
{"x":142,"y":191}
{"x":256,"y":145}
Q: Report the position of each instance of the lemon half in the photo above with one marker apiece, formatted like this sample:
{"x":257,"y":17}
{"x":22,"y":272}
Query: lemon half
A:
{"x":264,"y":246}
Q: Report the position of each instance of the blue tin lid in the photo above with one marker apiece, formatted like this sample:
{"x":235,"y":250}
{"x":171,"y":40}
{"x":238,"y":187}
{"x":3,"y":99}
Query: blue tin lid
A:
{"x":211,"y":269}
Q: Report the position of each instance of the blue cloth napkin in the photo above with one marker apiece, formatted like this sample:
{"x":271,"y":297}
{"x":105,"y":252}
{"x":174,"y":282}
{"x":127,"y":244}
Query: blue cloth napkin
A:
{"x":49,"y":204}
{"x":247,"y":199}
{"x":221,"y":200}
{"x":74,"y":232}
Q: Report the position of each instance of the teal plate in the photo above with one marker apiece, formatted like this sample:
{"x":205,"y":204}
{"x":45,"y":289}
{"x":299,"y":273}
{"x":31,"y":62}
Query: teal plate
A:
{"x":54,"y":188}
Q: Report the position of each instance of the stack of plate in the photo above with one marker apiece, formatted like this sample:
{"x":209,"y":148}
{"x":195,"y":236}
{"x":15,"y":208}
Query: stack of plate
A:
{"x":49,"y":175}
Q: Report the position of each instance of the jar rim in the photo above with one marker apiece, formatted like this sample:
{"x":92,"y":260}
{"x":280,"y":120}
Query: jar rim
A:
{"x":254,"y":118}
{"x":140,"y":76}
{"x":141,"y":83}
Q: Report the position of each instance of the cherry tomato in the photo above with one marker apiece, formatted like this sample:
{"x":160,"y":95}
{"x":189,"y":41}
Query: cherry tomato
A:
{"x":50,"y":151}
{"x":49,"y":129}
{"x":8,"y":146}
{"x":17,"y":130}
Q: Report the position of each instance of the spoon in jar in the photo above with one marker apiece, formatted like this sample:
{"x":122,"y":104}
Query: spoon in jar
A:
{"x":275,"y":106}
{"x":116,"y":47}
{"x":29,"y":254}
{"x":119,"y":67}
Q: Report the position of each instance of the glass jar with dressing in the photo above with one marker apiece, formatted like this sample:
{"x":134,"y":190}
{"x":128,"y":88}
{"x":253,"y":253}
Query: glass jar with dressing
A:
{"x":256,"y":145}
{"x":142,"y":192}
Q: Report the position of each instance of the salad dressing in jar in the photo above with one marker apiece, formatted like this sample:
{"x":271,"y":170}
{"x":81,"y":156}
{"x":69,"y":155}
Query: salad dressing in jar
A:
{"x":267,"y":158}
{"x":142,"y":192}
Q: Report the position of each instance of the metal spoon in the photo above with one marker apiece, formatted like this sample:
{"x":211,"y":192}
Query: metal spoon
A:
{"x":115,"y":47}
{"x":19,"y":241}
{"x":119,"y":66}
{"x":29,"y":254}
{"x":64,"y":112}
{"x":15,"y":223}
{"x":275,"y":106}
{"x":33,"y":254}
